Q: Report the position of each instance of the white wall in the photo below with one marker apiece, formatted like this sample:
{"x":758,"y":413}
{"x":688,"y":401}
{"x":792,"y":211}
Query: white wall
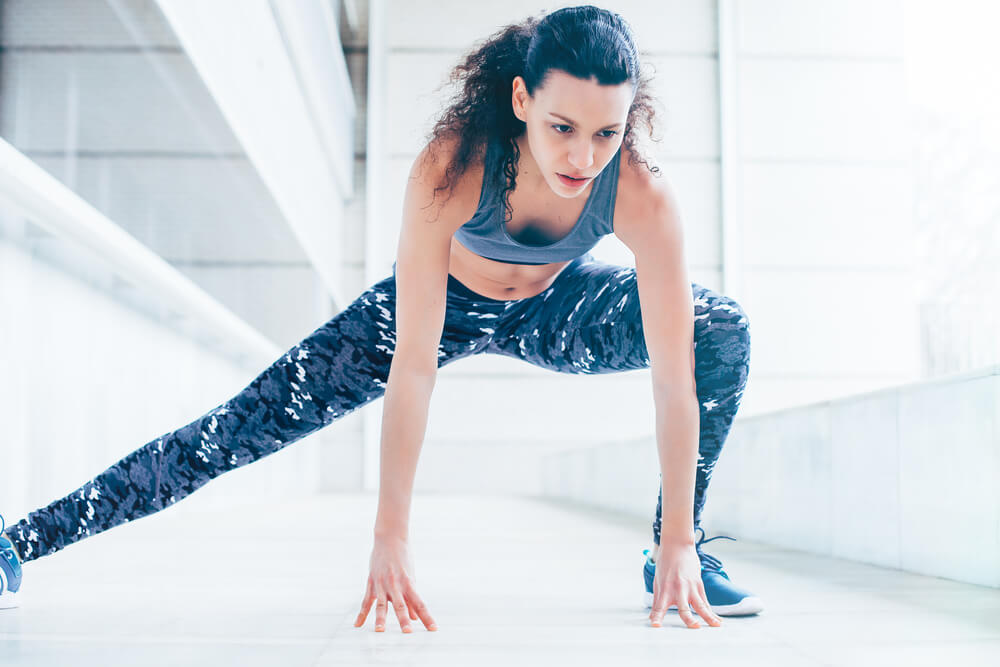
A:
{"x":821,"y":197}
{"x":951,"y":50}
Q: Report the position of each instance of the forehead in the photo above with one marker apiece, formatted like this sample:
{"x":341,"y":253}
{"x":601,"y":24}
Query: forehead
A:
{"x":567,"y":94}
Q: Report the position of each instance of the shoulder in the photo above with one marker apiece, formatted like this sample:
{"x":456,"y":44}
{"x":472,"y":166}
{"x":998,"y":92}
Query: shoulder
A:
{"x":458,"y":198}
{"x":645,"y":202}
{"x":438,"y":154}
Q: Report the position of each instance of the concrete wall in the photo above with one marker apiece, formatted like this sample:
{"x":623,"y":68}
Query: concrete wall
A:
{"x":903,"y":477}
{"x":86,"y":377}
{"x":102,"y":96}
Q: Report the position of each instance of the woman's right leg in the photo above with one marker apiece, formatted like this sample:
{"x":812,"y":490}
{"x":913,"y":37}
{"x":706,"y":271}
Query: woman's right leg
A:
{"x":341,"y":366}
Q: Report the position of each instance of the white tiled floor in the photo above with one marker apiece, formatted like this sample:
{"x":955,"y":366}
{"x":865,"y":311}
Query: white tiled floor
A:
{"x":509,"y":581}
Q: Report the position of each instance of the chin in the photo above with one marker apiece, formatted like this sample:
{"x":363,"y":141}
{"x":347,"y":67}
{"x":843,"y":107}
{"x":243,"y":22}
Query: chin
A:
{"x":562,"y":193}
{"x":557,"y":187}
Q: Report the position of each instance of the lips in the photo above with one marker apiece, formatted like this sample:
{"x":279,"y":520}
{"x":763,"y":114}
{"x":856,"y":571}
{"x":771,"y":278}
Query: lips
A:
{"x":577,"y":183}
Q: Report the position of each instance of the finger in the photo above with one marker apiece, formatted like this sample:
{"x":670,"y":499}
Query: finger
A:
{"x":418,"y":607}
{"x":660,"y":605}
{"x":703,"y":599}
{"x":380,"y":608}
{"x":703,"y":610}
{"x":687,"y":616}
{"x":408,"y":596}
{"x":366,"y":605}
{"x":660,"y":608}
{"x":399,"y":606}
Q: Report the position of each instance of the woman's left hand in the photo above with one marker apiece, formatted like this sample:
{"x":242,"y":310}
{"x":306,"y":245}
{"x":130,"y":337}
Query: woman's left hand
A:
{"x":678,"y":581}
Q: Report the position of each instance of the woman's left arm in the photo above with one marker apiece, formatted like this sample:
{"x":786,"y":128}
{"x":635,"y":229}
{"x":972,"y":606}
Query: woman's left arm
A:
{"x":654,"y":233}
{"x":677,"y":432}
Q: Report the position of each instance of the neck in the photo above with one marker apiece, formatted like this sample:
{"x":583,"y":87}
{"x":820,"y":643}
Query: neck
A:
{"x":528,"y":172}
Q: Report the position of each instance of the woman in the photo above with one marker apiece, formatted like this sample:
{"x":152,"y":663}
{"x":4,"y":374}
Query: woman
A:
{"x":530,"y":158}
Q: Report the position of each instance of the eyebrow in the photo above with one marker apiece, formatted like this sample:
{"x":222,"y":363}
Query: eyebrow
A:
{"x":571,"y":122}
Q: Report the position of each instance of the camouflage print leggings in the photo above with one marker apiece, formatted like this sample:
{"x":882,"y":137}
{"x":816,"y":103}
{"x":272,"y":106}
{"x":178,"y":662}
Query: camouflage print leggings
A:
{"x":587,"y":321}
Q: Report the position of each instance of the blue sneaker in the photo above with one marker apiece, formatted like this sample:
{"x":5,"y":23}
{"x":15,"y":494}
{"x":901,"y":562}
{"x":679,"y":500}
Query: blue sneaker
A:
{"x":10,"y":571}
{"x":725,"y":598}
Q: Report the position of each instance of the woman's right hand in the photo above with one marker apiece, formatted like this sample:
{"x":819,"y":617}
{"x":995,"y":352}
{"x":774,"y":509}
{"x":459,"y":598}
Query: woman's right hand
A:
{"x":391,"y":579}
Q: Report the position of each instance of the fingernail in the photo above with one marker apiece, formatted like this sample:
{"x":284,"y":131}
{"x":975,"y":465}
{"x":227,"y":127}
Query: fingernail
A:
{"x":433,"y":626}
{"x":407,"y":629}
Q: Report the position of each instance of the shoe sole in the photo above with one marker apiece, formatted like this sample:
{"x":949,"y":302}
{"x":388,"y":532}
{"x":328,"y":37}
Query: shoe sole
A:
{"x":8,"y":599}
{"x":745,"y":607}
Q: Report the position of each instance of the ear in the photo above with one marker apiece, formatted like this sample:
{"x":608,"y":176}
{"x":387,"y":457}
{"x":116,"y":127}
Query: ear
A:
{"x":518,"y":95}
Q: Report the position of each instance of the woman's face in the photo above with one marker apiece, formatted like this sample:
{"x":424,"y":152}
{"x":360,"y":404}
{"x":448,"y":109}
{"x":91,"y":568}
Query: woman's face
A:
{"x":573,"y":127}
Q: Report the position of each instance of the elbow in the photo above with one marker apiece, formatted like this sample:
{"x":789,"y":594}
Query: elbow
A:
{"x":413,"y":367}
{"x":676,"y":389}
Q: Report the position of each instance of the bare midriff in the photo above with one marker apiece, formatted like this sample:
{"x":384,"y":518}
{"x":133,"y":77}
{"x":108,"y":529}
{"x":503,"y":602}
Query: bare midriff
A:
{"x":499,"y":280}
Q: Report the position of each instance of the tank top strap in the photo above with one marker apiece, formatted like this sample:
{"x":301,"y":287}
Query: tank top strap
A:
{"x":487,"y":187}
{"x":607,"y":190}
{"x":492,"y":160}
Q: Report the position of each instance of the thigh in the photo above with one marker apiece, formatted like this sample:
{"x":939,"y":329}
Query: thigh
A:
{"x":341,"y":366}
{"x":590,"y":321}
{"x":587,"y":321}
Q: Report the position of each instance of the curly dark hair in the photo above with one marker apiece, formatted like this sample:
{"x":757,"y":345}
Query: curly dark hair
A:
{"x":584,"y":41}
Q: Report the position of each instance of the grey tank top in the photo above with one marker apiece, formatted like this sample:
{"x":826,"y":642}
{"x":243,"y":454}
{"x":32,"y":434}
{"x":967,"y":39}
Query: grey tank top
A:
{"x":486,"y":234}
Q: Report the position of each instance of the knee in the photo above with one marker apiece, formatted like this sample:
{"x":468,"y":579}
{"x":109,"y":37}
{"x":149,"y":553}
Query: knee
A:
{"x":720,"y":310}
{"x":735,"y":316}
{"x":726,"y":330}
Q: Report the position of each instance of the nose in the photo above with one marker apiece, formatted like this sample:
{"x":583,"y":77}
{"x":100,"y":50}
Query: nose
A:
{"x":581,"y":156}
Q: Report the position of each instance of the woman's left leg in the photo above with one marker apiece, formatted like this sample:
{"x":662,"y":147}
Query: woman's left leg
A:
{"x":589,"y":321}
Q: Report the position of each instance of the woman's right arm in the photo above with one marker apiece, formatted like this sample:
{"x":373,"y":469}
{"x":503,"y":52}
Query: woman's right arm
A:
{"x":421,"y":297}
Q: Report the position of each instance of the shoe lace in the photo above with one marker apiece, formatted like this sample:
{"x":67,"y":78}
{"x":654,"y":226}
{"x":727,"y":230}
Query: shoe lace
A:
{"x":708,"y":561}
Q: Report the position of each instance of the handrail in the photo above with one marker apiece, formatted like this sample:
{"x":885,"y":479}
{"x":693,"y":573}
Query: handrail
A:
{"x":34,"y":192}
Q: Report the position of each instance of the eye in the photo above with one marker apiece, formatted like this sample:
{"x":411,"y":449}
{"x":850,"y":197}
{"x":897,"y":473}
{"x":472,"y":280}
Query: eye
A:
{"x":603,"y":136}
